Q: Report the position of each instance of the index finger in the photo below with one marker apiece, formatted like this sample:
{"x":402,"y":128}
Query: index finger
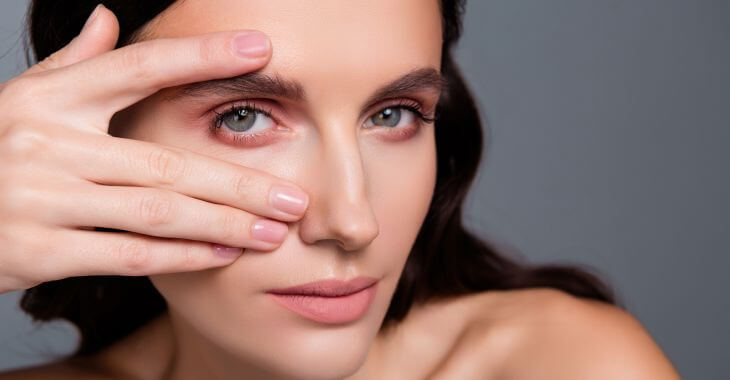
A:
{"x":129,"y":74}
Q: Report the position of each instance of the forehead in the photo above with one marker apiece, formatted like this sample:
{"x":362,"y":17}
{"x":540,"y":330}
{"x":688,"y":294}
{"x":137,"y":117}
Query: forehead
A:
{"x":326,"y":41}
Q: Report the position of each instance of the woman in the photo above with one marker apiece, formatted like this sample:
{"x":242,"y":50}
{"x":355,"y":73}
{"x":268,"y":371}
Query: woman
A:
{"x":338,"y":148}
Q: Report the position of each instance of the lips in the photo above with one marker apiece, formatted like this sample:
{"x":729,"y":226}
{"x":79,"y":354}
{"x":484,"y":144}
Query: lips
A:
{"x":329,"y":301}
{"x":328,"y":288}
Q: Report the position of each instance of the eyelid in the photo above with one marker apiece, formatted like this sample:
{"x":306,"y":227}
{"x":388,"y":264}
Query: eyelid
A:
{"x":395,"y":102}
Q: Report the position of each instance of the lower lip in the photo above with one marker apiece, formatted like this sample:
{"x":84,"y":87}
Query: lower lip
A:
{"x":332,"y":310}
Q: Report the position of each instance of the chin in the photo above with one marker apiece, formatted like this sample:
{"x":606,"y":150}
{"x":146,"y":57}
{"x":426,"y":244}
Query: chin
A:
{"x":290,"y":347}
{"x":321,"y":358}
{"x":283,"y":344}
{"x":296,"y":347}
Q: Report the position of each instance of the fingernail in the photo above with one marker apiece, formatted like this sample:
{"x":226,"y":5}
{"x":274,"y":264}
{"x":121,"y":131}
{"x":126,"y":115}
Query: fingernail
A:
{"x":252,"y":44}
{"x":269,"y":231}
{"x":92,"y":17}
{"x":226,"y":252}
{"x":288,"y":199}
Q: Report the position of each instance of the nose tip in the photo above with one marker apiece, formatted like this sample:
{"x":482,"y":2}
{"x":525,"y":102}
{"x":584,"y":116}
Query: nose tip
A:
{"x":355,"y":229}
{"x":347,"y":220}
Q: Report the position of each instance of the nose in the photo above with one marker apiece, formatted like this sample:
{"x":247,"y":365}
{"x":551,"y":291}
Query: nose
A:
{"x":340,"y":210}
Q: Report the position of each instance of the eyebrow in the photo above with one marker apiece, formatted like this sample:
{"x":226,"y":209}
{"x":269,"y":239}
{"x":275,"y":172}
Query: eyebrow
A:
{"x":260,"y":84}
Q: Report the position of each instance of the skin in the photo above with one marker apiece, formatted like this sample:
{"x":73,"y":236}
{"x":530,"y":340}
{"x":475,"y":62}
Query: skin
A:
{"x":170,"y":203}
{"x":368,"y":196}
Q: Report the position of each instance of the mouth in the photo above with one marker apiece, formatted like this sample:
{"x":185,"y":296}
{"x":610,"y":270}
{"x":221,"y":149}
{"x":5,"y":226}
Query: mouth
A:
{"x":329,"y":301}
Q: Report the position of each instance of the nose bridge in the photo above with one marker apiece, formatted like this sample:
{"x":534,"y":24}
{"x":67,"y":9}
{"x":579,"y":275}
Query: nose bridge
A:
{"x":342,"y":206}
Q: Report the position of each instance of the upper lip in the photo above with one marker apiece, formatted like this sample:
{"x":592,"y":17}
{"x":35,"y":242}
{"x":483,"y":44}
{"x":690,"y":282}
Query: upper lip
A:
{"x":328,"y":288}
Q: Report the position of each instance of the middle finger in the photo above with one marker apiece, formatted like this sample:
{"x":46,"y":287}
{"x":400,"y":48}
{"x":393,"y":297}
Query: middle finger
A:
{"x":121,"y":161}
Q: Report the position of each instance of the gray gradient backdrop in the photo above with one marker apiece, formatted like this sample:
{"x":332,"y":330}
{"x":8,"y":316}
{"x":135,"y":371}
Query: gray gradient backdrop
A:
{"x":608,"y":146}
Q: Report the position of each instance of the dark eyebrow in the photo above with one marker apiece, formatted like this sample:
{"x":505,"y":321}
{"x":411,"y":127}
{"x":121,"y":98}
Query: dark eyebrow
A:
{"x":249,"y":84}
{"x":425,"y":78}
{"x":259,"y":84}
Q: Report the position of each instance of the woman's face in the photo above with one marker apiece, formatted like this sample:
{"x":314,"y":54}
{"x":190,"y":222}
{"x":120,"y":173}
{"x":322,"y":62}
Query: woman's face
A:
{"x":369,"y":176}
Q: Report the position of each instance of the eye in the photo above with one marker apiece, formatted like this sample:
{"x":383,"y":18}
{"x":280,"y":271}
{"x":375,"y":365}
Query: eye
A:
{"x":400,"y":120}
{"x":245,"y":119}
{"x":392,"y":117}
{"x":244,"y":124}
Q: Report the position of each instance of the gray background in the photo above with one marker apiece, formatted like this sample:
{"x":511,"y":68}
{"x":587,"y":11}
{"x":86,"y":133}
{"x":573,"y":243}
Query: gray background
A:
{"x":608,"y":146}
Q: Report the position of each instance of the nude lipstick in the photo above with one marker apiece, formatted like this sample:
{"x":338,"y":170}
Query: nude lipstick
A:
{"x":330,"y":301}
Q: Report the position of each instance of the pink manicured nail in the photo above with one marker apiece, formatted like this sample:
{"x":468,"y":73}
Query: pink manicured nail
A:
{"x":252,"y":44}
{"x":226,"y":252}
{"x":288,"y":199}
{"x":269,"y":231}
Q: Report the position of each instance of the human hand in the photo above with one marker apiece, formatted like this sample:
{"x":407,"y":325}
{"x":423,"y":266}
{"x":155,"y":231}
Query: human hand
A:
{"x":62,"y":174}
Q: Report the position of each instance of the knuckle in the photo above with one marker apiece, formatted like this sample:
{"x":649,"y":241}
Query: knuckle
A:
{"x":137,"y":58}
{"x":134,"y":256}
{"x":155,"y":209}
{"x":243,"y":185}
{"x":187,"y":257}
{"x":230,"y":227}
{"x":14,"y":197}
{"x":19,"y":89}
{"x":207,"y":49}
{"x":29,"y":96}
{"x":20,"y":142}
{"x":165,"y":166}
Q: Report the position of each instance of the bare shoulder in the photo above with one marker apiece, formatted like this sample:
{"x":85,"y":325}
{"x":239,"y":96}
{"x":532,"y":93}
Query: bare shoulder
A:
{"x":550,"y":334}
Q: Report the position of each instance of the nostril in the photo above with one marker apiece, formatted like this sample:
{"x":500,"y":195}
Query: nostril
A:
{"x":355,"y":235}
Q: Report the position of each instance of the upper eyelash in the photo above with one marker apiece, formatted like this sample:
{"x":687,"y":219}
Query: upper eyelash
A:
{"x":411,"y":105}
{"x":219,"y":116}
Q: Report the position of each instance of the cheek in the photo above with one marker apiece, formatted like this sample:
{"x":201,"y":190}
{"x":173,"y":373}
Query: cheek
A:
{"x":402,"y":178}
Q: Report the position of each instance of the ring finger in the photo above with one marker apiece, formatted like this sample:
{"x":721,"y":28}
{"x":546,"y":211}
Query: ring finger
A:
{"x":163,"y":213}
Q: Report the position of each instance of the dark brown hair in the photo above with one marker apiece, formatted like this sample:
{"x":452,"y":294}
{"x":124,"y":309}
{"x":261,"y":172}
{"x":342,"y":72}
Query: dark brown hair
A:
{"x":446,"y":259}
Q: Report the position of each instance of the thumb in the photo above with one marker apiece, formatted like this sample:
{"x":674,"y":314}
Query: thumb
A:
{"x":98,"y":35}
